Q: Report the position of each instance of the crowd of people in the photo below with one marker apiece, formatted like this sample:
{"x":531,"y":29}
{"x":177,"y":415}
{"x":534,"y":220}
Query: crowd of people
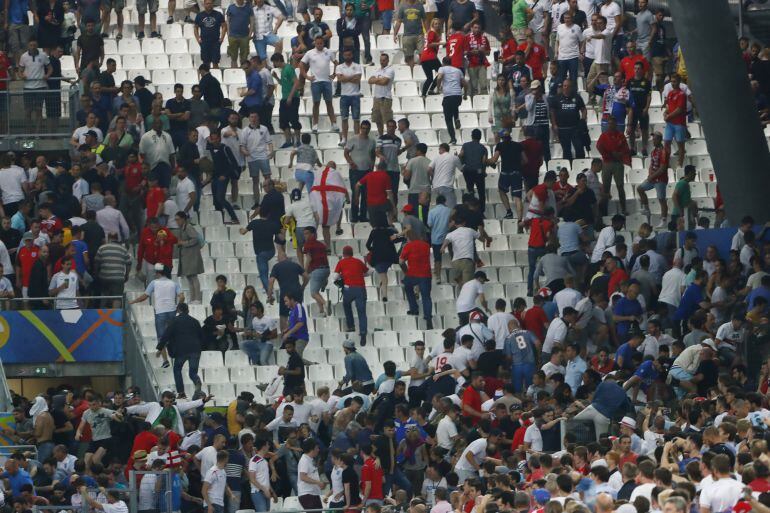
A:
{"x":625,"y":382}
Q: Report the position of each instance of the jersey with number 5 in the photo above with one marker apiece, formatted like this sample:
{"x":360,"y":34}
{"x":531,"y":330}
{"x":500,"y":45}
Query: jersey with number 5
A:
{"x":520,"y":346}
{"x":455,"y":49}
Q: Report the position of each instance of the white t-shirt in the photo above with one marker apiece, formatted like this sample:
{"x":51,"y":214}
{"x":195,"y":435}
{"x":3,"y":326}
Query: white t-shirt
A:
{"x":302,"y":212}
{"x":11,"y":184}
{"x":261,"y":470}
{"x":539,"y":9}
{"x":264,"y":324}
{"x":163,"y":293}
{"x":71,"y":291}
{"x":81,"y":131}
{"x":671,"y":287}
{"x":445,"y":431}
{"x":569,"y":41}
{"x":307,"y":465}
{"x":147,"y":499}
{"x":350,"y":88}
{"x":644,"y":490}
{"x":729,"y":335}
{"x":442,"y":359}
{"x":217,"y":480}
{"x":466,"y":299}
{"x":498,"y":323}
{"x":550,"y":368}
{"x":462,"y":356}
{"x":231,"y":137}
{"x":318,"y":62}
{"x":463,"y":240}
{"x":208,"y":458}
{"x":534,"y":438}
{"x":444,"y":166}
{"x":452,"y":80}
{"x":478,"y":448}
{"x":609,"y":11}
{"x":384,"y":91}
{"x":183,"y":190}
{"x":302,"y":411}
{"x":566,"y":297}
{"x":601,"y":48}
{"x":116,"y":507}
{"x":5,"y":259}
{"x":557,"y":332}
{"x":606,"y":239}
{"x":721,"y":495}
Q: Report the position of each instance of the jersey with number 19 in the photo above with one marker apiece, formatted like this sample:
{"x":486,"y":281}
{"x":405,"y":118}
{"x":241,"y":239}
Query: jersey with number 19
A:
{"x":520,"y":346}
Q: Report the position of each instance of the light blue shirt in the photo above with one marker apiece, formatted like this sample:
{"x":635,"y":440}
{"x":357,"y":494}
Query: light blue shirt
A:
{"x":569,"y":237}
{"x":17,"y":222}
{"x":574,"y":375}
{"x":438,"y":222}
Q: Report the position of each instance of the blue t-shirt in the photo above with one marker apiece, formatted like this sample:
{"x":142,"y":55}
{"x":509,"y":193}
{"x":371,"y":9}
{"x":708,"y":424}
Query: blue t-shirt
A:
{"x":239,"y":19}
{"x":18,"y":223}
{"x":519,"y":346}
{"x":753,"y":295}
{"x":626,"y":307}
{"x":609,"y":398}
{"x":691,"y":299}
{"x":176,"y":494}
{"x":17,"y":12}
{"x":253,"y":83}
{"x":17,"y":480}
{"x":627,"y":352}
{"x":80,"y":249}
{"x":438,"y":222}
{"x":647,"y":373}
{"x":551,"y":310}
{"x":210,"y":24}
{"x":298,"y":314}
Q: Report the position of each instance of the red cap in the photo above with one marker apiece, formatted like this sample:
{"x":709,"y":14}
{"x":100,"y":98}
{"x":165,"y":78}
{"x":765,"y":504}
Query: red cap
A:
{"x":347,"y":251}
{"x":408,"y":209}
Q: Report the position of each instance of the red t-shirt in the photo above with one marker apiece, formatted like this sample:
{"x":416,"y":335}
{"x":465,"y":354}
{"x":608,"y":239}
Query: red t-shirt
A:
{"x":25,"y":258}
{"x":377,"y":185}
{"x":760,"y":485}
{"x":5,"y":63}
{"x":561,"y":191}
{"x":614,"y":142}
{"x":429,"y":53}
{"x":472,"y":398}
{"x":155,"y":198}
{"x":455,"y":47}
{"x":534,"y":321}
{"x":518,"y":437}
{"x":508,"y":51}
{"x":538,"y":230}
{"x":617,"y":277}
{"x":371,"y":474}
{"x":677,"y":99}
{"x":473,"y":43}
{"x":533,"y":149}
{"x":134,"y":177}
{"x":51,"y":225}
{"x":385,"y":5}
{"x":146,"y":249}
{"x":352,"y":271}
{"x":627,"y":65}
{"x":416,"y":253}
{"x":658,"y":159}
{"x":605,"y":369}
{"x":317,"y":251}
{"x":536,"y":59}
{"x":627,"y":458}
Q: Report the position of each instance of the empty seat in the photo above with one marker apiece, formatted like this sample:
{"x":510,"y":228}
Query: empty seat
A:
{"x":211,"y":359}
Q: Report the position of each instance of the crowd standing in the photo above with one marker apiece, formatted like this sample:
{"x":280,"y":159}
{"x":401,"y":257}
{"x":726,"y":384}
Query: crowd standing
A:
{"x":646,"y":340}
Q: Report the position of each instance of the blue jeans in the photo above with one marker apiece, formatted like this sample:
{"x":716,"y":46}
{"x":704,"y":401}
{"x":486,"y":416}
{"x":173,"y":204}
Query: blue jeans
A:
{"x":398,"y":478}
{"x":263,"y":258}
{"x":533,"y":254}
{"x":194,"y":361}
{"x":45,"y":450}
{"x":357,"y":295}
{"x":259,"y":352}
{"x":162,"y":320}
{"x":234,"y":504}
{"x":521,"y":376}
{"x":567,"y":66}
{"x":424,"y":283}
{"x":261,"y":503}
{"x":387,"y":19}
{"x":306,"y":177}
{"x":219,"y":191}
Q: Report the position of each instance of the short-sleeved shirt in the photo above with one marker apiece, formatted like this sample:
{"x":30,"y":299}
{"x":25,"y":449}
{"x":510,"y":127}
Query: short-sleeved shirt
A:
{"x":682,"y":188}
{"x":210,"y":24}
{"x":411,"y":16}
{"x":295,"y":363}
{"x":377,"y":184}
{"x":296,"y":315}
{"x":362,"y":153}
{"x":318,"y":63}
{"x":288,"y":273}
{"x":288,"y":76}
{"x":420,"y":181}
{"x":389,"y":146}
{"x":352,"y":271}
{"x":510,"y":156}
{"x":239,"y":20}
{"x":262,"y":232}
{"x":317,"y":252}
{"x":466,"y":299}
{"x":519,"y":346}
{"x":417,"y":255}
{"x":677,"y":99}
{"x":99,"y":421}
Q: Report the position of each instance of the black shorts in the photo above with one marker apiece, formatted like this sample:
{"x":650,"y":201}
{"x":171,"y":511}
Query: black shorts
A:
{"x":210,"y":51}
{"x":511,"y":183}
{"x":436,"y":252}
{"x":288,"y":116}
{"x":530,"y":182}
{"x":33,"y":99}
{"x":94,"y":445}
{"x":641,"y":119}
{"x":53,"y":105}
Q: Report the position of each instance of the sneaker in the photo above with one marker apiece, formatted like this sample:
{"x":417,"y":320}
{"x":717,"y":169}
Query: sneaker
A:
{"x":644,"y":152}
{"x":412,"y":312}
{"x":181,"y":395}
{"x":155,"y":34}
{"x":363,"y":340}
{"x":384,"y":300}
{"x":236,"y":206}
{"x":187,"y":19}
{"x":452,"y":142}
{"x":342,"y":143}
{"x":262,"y":386}
{"x":315,"y":129}
{"x":369,"y":62}
{"x":166,"y":364}
{"x":645,"y":210}
{"x":140,"y":35}
{"x":661,"y":225}
{"x":508,"y":215}
{"x":118,"y":37}
{"x":335,"y":128}
{"x":287,"y":144}
{"x":429,"y":324}
{"x":169,"y":20}
{"x":457,"y":123}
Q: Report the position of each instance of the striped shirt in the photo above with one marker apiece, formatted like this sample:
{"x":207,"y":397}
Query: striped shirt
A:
{"x":112,"y":260}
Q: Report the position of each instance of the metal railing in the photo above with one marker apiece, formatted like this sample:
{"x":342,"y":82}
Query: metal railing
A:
{"x":38,"y":113}
{"x":6,"y":401}
{"x":138,"y":366}
{"x":163,"y":496}
{"x":33,"y":303}
{"x":7,"y":450}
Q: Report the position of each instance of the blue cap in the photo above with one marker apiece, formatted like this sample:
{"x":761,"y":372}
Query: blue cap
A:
{"x":541,"y":495}
{"x":584,"y":485}
{"x":504,"y":133}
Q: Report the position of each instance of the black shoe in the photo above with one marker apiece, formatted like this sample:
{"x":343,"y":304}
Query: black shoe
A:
{"x":363,"y":340}
{"x":412,"y":312}
{"x":140,"y":35}
{"x":155,"y":35}
{"x":508,"y":215}
{"x":429,"y":324}
{"x":452,"y":142}
{"x":169,"y":20}
{"x":104,"y":35}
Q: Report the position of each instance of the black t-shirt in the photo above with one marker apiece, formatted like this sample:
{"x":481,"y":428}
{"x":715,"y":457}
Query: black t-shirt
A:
{"x":640,"y":91}
{"x":54,"y":80}
{"x":210,"y":24}
{"x":489,"y":362}
{"x":658,"y":43}
{"x":567,"y":109}
{"x":470,"y":218}
{"x":262,"y":234}
{"x":710,"y":372}
{"x":177,"y":107}
{"x":509,"y":426}
{"x":107,"y":80}
{"x":272,"y":206}
{"x":211,"y":91}
{"x":510,"y":156}
{"x":145,"y":98}
{"x":579,"y":18}
{"x":90,"y":47}
{"x":462,"y":13}
{"x":287,"y":273}
{"x":582,"y":208}
{"x":350,"y":477}
{"x":291,"y":381}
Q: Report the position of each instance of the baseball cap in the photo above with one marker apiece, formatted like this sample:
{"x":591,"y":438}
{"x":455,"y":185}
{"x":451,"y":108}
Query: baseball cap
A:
{"x":141,"y":80}
{"x":541,"y":495}
{"x":709,"y":343}
{"x":159,"y":268}
{"x":349,"y":344}
{"x":535,"y":84}
{"x":27,"y":236}
{"x":91,"y":133}
{"x":481,"y":275}
{"x":628,"y":422}
{"x":408,"y":209}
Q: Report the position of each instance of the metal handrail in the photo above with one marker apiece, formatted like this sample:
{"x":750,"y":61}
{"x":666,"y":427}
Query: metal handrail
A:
{"x":21,"y":299}
{"x":6,"y":401}
{"x":135,"y":354}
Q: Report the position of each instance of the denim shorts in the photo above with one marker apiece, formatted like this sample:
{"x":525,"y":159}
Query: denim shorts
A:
{"x":262,"y":44}
{"x":382,"y":267}
{"x":321,"y":89}
{"x":319,"y":278}
{"x":675,"y":132}
{"x":350,"y":105}
{"x":259,"y":166}
{"x":511,"y":182}
{"x":680,"y":374}
{"x":660,"y":188}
